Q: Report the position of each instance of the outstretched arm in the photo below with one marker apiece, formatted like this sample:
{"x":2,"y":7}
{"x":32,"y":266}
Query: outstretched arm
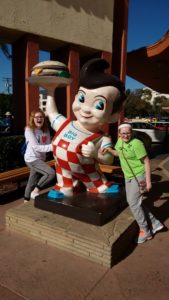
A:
{"x":106,"y":159}
{"x":42,"y":148}
{"x":51,"y":108}
{"x":110,"y":150}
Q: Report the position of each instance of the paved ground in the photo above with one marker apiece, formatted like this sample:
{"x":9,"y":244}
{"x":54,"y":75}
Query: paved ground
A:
{"x":30,"y":270}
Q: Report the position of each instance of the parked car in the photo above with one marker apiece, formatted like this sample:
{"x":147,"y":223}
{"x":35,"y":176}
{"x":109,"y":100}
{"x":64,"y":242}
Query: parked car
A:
{"x":145,"y":138}
{"x":162,"y":125}
{"x":157,"y":135}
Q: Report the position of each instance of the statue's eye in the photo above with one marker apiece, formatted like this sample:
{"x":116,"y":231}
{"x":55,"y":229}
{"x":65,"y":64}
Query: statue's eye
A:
{"x":81,"y":98}
{"x":100,"y":105}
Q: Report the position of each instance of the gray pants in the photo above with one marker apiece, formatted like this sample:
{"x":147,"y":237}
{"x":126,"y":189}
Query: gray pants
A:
{"x":40,"y":175}
{"x":141,"y":213}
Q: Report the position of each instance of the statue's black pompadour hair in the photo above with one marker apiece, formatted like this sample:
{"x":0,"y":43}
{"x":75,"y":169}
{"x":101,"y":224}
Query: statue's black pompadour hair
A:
{"x":92,"y":75}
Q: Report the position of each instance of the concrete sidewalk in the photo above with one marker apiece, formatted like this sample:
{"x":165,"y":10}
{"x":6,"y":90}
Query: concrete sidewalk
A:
{"x":34,"y":271}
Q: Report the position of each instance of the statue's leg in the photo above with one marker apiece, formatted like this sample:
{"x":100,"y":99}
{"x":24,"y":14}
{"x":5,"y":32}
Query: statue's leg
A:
{"x":65,"y":184}
{"x":96,"y":182}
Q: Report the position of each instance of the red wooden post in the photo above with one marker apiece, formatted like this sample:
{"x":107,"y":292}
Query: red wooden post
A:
{"x":70,"y":56}
{"x":119,"y":49}
{"x":108,"y":57}
{"x":32,"y":58}
{"x":74,"y":65}
{"x":26,"y":97}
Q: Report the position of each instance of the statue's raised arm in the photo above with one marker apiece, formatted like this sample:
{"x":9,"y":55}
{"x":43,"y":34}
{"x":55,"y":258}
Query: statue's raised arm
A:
{"x":50,"y":75}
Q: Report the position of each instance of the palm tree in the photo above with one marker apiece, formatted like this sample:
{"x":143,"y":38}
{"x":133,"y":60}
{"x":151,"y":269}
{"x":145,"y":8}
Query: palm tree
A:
{"x":5,"y":50}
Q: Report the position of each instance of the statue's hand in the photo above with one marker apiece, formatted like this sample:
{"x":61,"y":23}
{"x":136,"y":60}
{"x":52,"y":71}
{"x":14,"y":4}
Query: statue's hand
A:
{"x":89,"y":150}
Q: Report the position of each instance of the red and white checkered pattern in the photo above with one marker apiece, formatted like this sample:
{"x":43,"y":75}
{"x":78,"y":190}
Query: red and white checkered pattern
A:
{"x":71,"y":166}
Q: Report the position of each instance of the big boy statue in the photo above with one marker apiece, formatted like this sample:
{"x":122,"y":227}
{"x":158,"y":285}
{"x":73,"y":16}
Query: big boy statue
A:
{"x":77,"y":143}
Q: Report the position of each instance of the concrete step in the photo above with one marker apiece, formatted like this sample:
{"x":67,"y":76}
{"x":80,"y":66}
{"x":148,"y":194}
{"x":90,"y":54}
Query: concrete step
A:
{"x":104,"y":245}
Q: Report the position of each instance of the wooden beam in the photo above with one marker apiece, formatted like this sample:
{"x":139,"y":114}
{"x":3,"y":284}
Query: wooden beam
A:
{"x":26,"y":97}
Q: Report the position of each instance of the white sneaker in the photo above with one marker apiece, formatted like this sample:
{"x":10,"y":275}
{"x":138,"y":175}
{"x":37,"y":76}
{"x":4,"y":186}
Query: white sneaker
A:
{"x":26,"y":201}
{"x":34,"y":195}
{"x":143,"y":236}
{"x":157,"y":227}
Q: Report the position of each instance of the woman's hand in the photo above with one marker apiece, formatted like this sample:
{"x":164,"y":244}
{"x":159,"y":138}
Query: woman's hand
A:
{"x":108,"y":150}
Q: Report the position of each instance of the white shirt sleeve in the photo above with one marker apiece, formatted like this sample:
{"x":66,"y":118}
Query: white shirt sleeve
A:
{"x":42,"y":148}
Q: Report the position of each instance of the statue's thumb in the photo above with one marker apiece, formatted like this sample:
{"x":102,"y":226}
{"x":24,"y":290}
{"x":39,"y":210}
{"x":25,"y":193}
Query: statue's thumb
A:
{"x":90,"y":144}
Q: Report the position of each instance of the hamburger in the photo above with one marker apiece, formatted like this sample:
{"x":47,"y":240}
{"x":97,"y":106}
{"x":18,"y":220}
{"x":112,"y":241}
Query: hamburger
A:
{"x":50,"y":68}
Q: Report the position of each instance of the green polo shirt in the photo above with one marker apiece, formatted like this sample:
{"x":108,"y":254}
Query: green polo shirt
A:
{"x":134,"y":151}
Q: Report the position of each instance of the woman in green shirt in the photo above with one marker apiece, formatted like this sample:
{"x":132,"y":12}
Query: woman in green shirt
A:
{"x":135,"y":165}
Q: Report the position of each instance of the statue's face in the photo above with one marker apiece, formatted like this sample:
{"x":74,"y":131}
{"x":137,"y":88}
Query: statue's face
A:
{"x":93,"y":108}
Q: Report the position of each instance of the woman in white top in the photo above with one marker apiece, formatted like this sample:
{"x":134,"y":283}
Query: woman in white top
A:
{"x":38,"y":143}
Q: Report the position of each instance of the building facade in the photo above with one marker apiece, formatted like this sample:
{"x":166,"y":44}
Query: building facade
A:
{"x":72,"y":32}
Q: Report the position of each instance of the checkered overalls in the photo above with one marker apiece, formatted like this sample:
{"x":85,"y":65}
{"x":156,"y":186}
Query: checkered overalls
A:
{"x":72,"y":167}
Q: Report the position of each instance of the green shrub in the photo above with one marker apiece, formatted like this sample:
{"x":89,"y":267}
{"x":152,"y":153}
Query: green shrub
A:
{"x":10,"y":152}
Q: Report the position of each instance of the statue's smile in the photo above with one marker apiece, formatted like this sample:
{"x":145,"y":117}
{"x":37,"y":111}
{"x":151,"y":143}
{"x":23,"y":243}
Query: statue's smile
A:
{"x":86,"y":116}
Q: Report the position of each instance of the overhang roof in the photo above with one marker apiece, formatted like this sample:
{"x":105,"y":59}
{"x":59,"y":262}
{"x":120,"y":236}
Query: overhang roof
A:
{"x":150,"y":65}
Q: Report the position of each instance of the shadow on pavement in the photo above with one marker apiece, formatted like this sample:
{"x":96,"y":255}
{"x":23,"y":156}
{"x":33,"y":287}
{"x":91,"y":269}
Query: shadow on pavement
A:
{"x":161,"y":210}
{"x":11,"y":196}
{"x":158,"y":199}
{"x":127,"y":252}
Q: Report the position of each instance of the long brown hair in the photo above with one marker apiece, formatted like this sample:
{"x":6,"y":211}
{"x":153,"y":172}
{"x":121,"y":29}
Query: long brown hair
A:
{"x":31,"y":123}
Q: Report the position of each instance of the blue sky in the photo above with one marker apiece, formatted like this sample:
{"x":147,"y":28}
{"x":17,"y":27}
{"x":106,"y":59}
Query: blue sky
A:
{"x":148,"y":21}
